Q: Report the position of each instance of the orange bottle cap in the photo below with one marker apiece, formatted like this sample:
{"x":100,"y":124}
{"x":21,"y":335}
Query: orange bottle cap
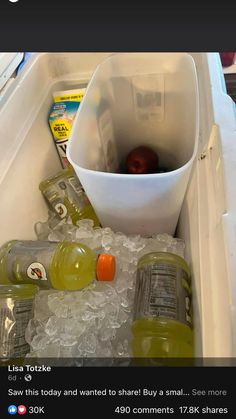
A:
{"x":106,"y":267}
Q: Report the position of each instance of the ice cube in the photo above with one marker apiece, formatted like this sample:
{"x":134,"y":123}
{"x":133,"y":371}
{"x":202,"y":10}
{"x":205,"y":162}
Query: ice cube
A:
{"x":41,"y":310}
{"x":99,"y":298}
{"x":90,"y":343}
{"x":88,"y":315}
{"x":69,"y":297}
{"x":110,"y":292}
{"x":97,"y":238}
{"x":125,"y":303}
{"x":53,"y":219}
{"x":122,"y":316}
{"x":107,"y":334}
{"x":55,"y":299}
{"x":107,"y":240}
{"x":134,"y":243}
{"x":86,"y":223}
{"x":120,"y":349}
{"x":83,"y":233}
{"x":178,"y":247}
{"x":69,"y":231}
{"x":101,"y":315}
{"x":30,"y":331}
{"x":73,"y":327}
{"x":52,"y":326}
{"x":76,"y":311}
{"x":67,"y":339}
{"x":105,"y":352}
{"x":68,"y":351}
{"x":42,"y":230}
{"x":114,"y":324}
{"x":126,"y":346}
{"x":31,"y":355}
{"x":120,"y":238}
{"x":40,"y":341}
{"x":107,"y":230}
{"x":50,"y":351}
{"x":122,"y":283}
{"x":56,"y":236}
{"x":100,"y":321}
{"x":111,"y":310}
{"x":90,"y":301}
{"x":40,"y":329}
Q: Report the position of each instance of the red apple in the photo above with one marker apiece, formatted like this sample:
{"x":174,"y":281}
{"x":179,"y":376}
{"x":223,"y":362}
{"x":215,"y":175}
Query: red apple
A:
{"x":142,"y":160}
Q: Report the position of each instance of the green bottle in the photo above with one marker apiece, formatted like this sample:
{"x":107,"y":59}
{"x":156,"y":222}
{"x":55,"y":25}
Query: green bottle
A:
{"x":66,"y":196}
{"x":16,"y":309}
{"x":162,"y":323}
{"x":60,"y":265}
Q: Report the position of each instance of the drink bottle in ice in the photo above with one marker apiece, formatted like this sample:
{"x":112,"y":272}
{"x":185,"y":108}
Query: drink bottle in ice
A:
{"x":59,"y":265}
{"x":162,"y":326}
{"x":16,"y":309}
{"x":66,"y":197}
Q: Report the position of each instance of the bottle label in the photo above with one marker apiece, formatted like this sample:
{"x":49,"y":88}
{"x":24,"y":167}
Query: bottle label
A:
{"x":163,"y":290}
{"x":148,"y":93}
{"x":66,"y":192}
{"x":14,"y":318}
{"x":29,"y":262}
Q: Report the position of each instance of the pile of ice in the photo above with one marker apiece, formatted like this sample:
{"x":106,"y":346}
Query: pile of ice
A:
{"x":96,"y":321}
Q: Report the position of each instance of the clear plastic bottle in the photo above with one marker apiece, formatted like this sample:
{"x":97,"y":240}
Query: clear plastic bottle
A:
{"x":66,"y":196}
{"x":162,"y":326}
{"x":59,"y":265}
{"x":16,"y":309}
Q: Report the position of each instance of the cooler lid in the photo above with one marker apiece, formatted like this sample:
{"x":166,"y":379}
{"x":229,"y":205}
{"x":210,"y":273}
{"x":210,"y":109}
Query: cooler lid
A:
{"x":9,"y":61}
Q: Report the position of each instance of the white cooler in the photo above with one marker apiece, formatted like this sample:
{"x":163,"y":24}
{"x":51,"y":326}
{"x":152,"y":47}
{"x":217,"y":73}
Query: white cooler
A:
{"x":207,"y":220}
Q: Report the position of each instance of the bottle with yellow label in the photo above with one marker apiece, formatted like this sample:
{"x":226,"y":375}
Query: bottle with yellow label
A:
{"x":66,"y":196}
{"x":162,"y":326}
{"x":60,"y":265}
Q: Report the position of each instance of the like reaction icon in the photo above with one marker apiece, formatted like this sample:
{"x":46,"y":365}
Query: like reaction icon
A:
{"x":21,"y":409}
{"x":12,"y":410}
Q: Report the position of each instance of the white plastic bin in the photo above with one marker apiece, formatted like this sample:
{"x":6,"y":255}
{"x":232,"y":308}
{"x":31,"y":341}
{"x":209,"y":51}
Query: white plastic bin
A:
{"x":137,"y":99}
{"x":207,"y":219}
